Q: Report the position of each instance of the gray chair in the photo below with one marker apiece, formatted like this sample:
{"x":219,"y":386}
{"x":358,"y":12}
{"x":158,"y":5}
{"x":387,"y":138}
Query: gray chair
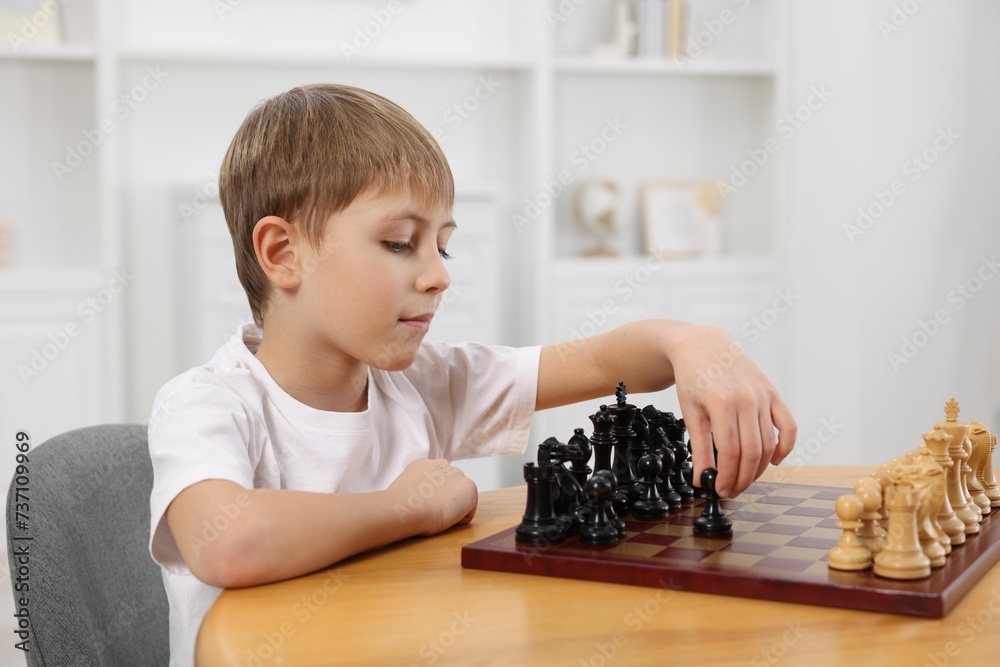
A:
{"x":96,"y":597}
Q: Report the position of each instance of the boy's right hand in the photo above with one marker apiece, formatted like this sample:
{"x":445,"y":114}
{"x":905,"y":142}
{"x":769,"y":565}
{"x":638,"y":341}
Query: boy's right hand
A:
{"x":440,"y":494}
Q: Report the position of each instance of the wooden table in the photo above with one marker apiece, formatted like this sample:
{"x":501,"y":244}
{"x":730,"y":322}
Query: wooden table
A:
{"x":413,"y":604}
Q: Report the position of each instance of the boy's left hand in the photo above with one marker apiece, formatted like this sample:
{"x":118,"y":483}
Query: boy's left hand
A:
{"x":722,"y":394}
{"x":725,"y":398}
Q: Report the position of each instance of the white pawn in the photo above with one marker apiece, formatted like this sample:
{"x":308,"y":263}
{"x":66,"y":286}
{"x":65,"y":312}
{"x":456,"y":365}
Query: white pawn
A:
{"x":849,"y":553}
{"x":871,"y":534}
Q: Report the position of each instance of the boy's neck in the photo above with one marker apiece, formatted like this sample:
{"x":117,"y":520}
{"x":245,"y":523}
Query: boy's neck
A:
{"x":329,"y":384}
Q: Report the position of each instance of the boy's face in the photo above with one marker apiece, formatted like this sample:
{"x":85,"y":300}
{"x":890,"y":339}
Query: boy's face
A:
{"x":369,"y":291}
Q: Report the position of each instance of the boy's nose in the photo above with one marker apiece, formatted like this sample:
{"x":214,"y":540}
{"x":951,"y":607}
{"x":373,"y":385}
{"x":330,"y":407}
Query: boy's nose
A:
{"x":434,"y":278}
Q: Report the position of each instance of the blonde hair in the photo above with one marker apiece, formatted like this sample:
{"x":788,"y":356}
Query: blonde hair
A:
{"x":307,"y":153}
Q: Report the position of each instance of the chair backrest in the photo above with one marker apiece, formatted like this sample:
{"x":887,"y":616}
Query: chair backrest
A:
{"x":95,"y":596}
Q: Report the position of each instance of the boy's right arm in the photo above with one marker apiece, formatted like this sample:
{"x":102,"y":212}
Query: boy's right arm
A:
{"x":230,"y":536}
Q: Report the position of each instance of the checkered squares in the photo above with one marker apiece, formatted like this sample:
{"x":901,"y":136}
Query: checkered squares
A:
{"x":779,"y":528}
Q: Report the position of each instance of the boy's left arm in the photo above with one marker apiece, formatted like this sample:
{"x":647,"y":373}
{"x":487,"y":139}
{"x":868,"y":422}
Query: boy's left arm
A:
{"x":723,"y":395}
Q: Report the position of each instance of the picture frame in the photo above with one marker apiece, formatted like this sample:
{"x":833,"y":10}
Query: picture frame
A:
{"x":680,"y":218}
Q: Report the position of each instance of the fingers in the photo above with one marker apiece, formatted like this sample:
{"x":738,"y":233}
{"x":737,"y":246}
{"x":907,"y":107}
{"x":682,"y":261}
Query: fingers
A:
{"x":461,"y":498}
{"x":740,"y":409}
{"x":750,"y":450}
{"x":787,"y":430}
{"x":768,"y":441}
{"x":740,"y":426}
{"x":700,"y":431}
{"x":472,"y":512}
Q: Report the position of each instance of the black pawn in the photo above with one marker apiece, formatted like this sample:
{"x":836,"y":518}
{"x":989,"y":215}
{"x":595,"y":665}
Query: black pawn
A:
{"x":539,"y":525}
{"x":689,"y":473}
{"x":599,"y":529}
{"x":649,"y":505}
{"x":618,"y":521}
{"x":665,"y":487}
{"x":712,"y":522}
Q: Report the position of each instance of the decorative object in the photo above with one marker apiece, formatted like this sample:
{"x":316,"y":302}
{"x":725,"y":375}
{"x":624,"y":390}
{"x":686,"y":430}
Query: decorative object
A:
{"x":680,"y":219}
{"x":596,"y":208}
{"x":675,"y":28}
{"x":622,"y":44}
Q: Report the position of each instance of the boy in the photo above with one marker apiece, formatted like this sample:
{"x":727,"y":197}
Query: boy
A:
{"x":298,"y":444}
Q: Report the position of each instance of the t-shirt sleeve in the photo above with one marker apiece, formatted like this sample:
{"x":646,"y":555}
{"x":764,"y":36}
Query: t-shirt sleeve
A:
{"x":487,"y":397}
{"x":195,"y":433}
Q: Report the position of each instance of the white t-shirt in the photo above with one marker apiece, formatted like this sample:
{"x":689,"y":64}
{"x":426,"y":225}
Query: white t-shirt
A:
{"x":229,"y":420}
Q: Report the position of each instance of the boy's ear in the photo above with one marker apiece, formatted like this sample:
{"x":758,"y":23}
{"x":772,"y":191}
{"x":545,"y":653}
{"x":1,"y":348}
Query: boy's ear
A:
{"x":274,"y":244}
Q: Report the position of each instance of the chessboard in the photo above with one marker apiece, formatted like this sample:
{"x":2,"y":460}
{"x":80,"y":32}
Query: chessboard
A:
{"x":777,"y":551}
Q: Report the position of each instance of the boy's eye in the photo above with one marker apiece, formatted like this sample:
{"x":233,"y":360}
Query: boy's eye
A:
{"x":396,"y":246}
{"x":405,"y":246}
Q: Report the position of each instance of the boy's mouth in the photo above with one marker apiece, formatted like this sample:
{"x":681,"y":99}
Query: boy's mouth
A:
{"x":420,"y":322}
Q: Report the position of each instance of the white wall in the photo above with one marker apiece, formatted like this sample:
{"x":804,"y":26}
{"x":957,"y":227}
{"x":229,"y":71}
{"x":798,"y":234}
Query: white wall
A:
{"x":892,"y":93}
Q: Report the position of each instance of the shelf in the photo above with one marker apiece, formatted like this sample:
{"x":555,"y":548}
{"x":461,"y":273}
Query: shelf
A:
{"x":208,"y":55}
{"x":666,"y":67}
{"x":693,"y":266}
{"x":55,"y":53}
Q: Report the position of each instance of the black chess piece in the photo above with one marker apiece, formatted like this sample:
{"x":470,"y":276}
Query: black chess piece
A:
{"x":660,"y":447}
{"x":687,"y":470}
{"x":655,"y":435}
{"x":649,"y":505}
{"x":580,"y":458}
{"x":539,"y":525}
{"x":668,"y":422}
{"x":618,"y":521}
{"x":639,"y":446}
{"x":599,"y":529}
{"x":675,"y":434}
{"x":665,"y":486}
{"x":567,"y":491}
{"x":712,"y":522}
{"x":628,"y":484}
{"x":602,"y":441}
{"x":689,"y":473}
{"x":681,"y":485}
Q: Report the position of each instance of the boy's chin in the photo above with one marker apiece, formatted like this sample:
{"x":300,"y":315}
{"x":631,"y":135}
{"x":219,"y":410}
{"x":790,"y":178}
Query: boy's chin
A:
{"x":393,"y":363}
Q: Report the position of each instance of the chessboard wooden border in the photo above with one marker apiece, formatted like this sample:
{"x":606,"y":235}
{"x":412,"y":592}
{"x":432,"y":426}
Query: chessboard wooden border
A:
{"x":931,"y":597}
